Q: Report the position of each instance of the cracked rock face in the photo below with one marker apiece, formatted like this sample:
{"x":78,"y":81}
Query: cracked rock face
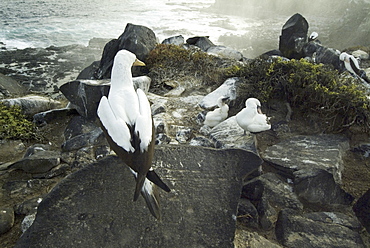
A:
{"x":320,"y":229}
{"x":302,"y":152}
{"x":202,"y":204}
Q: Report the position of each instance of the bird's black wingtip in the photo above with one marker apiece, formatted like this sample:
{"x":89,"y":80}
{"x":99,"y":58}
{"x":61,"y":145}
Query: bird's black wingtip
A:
{"x":153,"y":177}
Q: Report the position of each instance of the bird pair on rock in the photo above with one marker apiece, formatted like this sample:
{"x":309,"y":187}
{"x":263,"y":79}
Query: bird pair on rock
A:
{"x":126,"y":119}
{"x":250,"y":118}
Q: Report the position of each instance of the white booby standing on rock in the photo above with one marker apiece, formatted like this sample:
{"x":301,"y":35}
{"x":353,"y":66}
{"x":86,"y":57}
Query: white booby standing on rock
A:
{"x":251,"y":118}
{"x":218,"y":115}
{"x":125,"y":117}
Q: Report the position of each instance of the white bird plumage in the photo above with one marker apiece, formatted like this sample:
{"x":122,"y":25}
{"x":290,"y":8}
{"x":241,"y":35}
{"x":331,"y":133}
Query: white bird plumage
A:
{"x":313,"y":36}
{"x":218,"y":115}
{"x":116,"y":127}
{"x":144,"y":121}
{"x":126,"y":119}
{"x":346,"y":58}
{"x":251,"y":118}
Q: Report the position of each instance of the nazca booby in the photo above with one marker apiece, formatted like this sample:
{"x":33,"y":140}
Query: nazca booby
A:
{"x":125,"y":117}
{"x":352,"y":65}
{"x":350,"y":62}
{"x":251,"y":118}
{"x":313,"y":36}
{"x":218,"y":115}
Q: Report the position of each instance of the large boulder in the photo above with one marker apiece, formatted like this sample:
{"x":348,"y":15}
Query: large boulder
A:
{"x":225,"y":52}
{"x":93,"y":207}
{"x":203,"y":42}
{"x":40,"y":162}
{"x":85,"y":95}
{"x":307,"y":152}
{"x":106,"y":61}
{"x":137,"y":39}
{"x":175,"y":40}
{"x":33,"y":104}
{"x":318,"y":229}
{"x":293,"y":37}
{"x":318,"y":189}
{"x":228,"y":134}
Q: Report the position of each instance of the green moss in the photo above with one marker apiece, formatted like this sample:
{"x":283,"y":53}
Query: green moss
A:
{"x":14,"y":125}
{"x":311,"y":88}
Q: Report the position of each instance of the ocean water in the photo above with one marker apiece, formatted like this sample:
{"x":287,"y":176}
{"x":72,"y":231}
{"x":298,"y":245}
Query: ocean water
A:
{"x":42,"y":23}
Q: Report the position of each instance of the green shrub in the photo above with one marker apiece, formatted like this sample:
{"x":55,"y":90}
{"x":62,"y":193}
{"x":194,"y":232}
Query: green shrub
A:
{"x":311,"y":88}
{"x":14,"y":125}
{"x":317,"y":89}
{"x":172,"y":62}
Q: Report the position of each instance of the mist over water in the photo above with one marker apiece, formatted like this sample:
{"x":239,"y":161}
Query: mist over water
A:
{"x":249,"y":26}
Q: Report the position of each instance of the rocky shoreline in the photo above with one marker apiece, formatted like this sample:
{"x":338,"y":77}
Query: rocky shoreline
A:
{"x":307,"y":192}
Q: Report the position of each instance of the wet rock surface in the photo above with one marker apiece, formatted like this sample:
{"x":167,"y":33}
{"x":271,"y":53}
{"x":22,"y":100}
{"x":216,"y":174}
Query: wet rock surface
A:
{"x":44,"y":70}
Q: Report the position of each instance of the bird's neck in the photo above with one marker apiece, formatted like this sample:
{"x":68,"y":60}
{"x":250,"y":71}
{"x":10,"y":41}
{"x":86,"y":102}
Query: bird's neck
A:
{"x":253,"y":111}
{"x":121,"y":78}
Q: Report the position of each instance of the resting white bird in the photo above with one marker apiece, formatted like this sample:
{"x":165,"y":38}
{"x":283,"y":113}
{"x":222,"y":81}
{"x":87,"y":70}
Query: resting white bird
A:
{"x":125,"y":117}
{"x":313,"y":36}
{"x":218,"y":115}
{"x":350,"y":62}
{"x":352,"y":65}
{"x":251,"y":118}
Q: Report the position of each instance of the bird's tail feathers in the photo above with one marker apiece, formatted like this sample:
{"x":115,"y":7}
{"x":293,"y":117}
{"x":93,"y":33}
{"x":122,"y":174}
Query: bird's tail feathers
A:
{"x":153,"y":177}
{"x":151,"y":196}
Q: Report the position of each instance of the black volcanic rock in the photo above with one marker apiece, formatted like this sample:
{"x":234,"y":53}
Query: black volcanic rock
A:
{"x":137,"y":39}
{"x":293,"y":37}
{"x":203,"y":42}
{"x":317,"y":229}
{"x":362,"y":210}
{"x":93,"y":207}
